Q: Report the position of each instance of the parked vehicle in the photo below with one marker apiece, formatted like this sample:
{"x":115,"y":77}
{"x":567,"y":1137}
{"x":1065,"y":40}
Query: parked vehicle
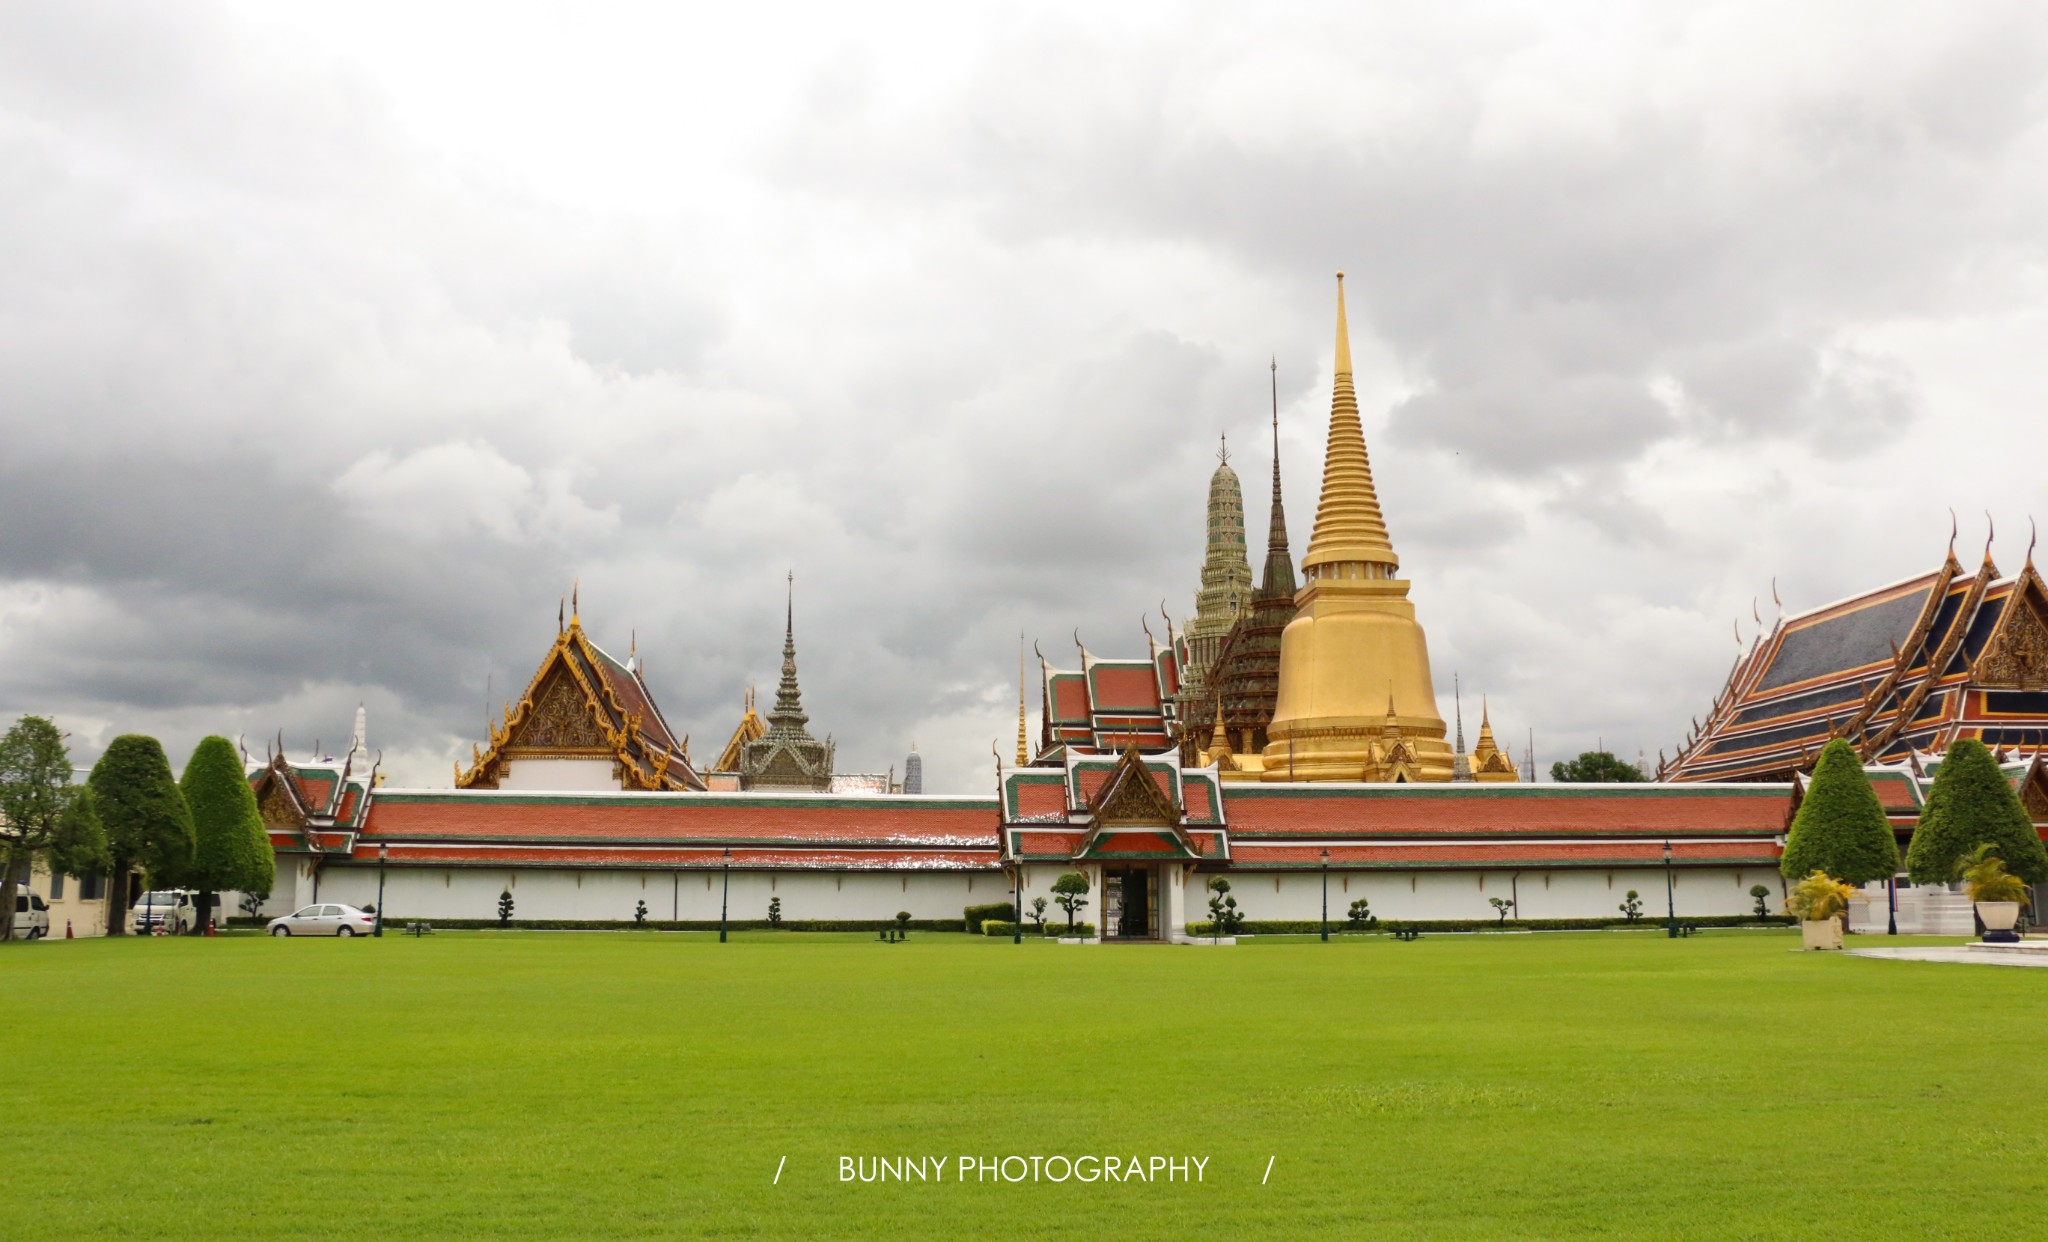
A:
{"x":325,"y":920}
{"x":173,"y":909}
{"x":31,"y":916}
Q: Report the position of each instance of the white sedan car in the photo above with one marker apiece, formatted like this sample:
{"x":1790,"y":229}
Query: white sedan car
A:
{"x":328,"y":920}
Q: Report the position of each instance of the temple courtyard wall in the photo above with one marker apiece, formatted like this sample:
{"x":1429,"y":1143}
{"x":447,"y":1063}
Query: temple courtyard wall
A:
{"x":594,"y":894}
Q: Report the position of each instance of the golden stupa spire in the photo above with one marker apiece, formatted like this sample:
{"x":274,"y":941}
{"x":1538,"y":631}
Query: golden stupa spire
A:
{"x":1350,"y":534}
{"x":1022,"y":757}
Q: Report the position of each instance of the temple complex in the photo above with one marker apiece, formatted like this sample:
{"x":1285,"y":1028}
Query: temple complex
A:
{"x":1355,"y":698}
{"x":1901,"y":671}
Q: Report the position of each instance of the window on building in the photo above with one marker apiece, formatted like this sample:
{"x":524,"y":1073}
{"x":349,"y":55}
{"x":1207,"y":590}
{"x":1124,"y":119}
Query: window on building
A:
{"x":92,"y":887}
{"x":56,"y":886}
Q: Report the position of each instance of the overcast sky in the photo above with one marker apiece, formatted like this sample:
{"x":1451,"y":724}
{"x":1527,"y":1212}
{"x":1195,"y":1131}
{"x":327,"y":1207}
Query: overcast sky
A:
{"x":336,"y":340}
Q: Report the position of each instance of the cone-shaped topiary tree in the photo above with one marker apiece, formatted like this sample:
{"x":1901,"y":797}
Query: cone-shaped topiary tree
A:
{"x":230,"y":849}
{"x":1840,"y":827}
{"x":1972,"y":803}
{"x":145,"y":817}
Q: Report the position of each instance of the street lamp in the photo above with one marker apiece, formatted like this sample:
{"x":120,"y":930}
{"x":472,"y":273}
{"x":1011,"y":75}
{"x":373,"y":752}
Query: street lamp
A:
{"x":1326,"y":896}
{"x":383,"y":856}
{"x":1017,"y":928}
{"x":725,"y":891}
{"x":1670,"y":898}
{"x":1891,"y":885}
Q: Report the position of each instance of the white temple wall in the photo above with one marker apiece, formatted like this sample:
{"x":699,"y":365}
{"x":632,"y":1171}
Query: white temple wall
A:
{"x":596,"y":895}
{"x":542,"y":893}
{"x":560,"y":775}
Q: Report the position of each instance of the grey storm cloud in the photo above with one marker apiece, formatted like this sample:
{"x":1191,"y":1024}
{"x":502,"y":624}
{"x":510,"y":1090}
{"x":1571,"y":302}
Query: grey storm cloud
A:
{"x":338,"y":342}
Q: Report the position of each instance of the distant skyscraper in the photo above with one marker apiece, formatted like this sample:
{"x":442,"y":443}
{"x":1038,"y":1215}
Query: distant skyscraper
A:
{"x":913,"y":772}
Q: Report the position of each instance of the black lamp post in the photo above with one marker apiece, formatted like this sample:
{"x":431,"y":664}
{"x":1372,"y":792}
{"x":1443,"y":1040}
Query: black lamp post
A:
{"x":1326,"y":896}
{"x":1017,"y":929}
{"x":724,"y":891}
{"x":1670,"y":897}
{"x":383,"y":856}
{"x":1891,"y":886}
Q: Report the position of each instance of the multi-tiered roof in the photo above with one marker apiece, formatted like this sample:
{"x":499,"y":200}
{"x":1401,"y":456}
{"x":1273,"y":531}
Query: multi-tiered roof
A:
{"x":584,"y":703}
{"x":1901,"y":671}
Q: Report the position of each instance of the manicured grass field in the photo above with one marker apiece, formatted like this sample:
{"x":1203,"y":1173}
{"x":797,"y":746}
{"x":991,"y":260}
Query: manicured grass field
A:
{"x":648,"y":1085}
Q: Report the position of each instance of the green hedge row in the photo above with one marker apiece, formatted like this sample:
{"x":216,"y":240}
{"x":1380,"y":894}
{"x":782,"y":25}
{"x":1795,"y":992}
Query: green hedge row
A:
{"x":977,"y":915}
{"x":1003,"y":927}
{"x":396,"y":923}
{"x":1293,"y":927}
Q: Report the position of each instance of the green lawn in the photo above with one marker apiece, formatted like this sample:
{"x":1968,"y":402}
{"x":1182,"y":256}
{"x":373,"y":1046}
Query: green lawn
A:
{"x":538,"y":1084}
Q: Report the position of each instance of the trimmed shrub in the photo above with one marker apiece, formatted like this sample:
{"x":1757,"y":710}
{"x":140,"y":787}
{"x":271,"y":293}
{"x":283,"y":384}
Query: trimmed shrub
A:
{"x":1071,"y":892}
{"x":1002,"y":927}
{"x":1841,"y":828}
{"x":994,"y":910}
{"x":1971,"y":804}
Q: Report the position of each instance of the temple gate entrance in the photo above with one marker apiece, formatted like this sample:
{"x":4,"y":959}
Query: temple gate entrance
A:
{"x":1130,"y":902}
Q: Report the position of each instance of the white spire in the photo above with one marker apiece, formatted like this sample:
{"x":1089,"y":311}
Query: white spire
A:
{"x":359,"y":741}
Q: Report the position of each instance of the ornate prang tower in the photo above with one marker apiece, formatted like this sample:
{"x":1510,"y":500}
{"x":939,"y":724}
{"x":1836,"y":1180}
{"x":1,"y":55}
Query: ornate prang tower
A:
{"x":787,"y":756}
{"x":1226,"y":582}
{"x":1245,"y":680}
{"x":1354,"y":666}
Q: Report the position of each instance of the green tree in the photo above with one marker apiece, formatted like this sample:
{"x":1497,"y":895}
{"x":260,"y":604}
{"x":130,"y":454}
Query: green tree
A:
{"x":1595,"y":765}
{"x":42,"y":811}
{"x":1071,"y":892}
{"x":146,"y":819}
{"x":230,"y":848}
{"x":1972,"y":804}
{"x":1840,"y":827}
{"x":505,"y":904}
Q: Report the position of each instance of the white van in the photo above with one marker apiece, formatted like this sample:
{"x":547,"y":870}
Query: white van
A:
{"x":31,"y":916}
{"x":173,"y":908}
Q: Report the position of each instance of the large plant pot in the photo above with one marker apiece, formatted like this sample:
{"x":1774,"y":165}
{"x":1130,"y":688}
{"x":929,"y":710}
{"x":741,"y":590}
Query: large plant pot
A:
{"x":1822,"y":934}
{"x":1998,"y":915}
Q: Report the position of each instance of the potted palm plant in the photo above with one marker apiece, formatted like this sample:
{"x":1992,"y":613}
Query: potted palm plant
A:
{"x":1996,"y":892}
{"x":1819,"y":901}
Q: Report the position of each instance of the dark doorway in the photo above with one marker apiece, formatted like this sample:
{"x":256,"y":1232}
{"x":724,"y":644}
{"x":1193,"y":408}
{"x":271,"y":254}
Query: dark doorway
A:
{"x":1134,"y":902}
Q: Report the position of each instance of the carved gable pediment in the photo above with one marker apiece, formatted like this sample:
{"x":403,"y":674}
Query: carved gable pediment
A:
{"x":1132,"y":796}
{"x":276,"y":807}
{"x":562,"y":718}
{"x":2016,"y":657}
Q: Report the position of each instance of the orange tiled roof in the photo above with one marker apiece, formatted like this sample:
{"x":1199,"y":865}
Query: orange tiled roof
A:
{"x":866,"y":821}
{"x":1505,"y":810}
{"x":1505,"y":854}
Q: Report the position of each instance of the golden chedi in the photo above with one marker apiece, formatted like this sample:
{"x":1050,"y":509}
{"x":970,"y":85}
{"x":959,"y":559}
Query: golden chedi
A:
{"x":1354,"y":666}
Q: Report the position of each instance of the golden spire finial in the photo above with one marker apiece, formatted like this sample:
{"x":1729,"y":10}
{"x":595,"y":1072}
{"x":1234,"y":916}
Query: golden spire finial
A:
{"x":575,"y":609}
{"x":1343,"y":333}
{"x":1022,"y":757}
{"x":1349,"y":530}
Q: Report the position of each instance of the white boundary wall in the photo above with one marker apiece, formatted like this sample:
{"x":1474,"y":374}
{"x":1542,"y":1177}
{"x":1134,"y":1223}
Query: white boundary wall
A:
{"x":610,"y":895}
